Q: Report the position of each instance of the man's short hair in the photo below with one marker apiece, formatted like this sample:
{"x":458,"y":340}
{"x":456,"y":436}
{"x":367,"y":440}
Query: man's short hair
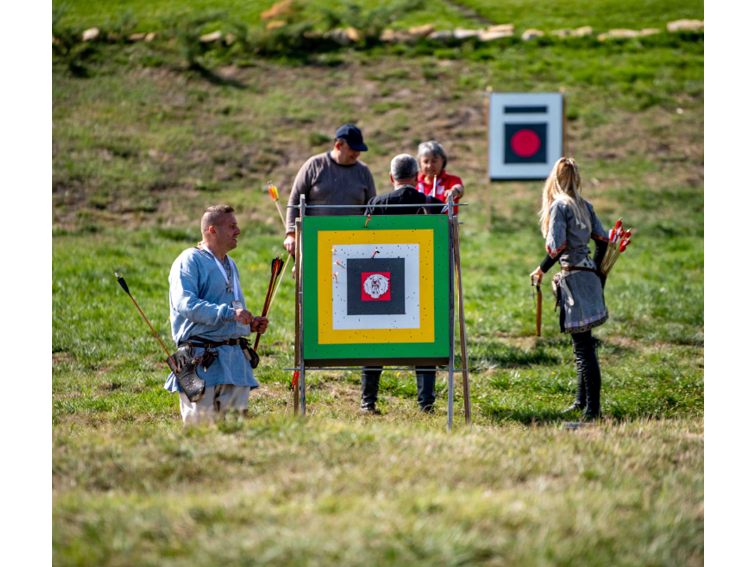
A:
{"x":212,"y":216}
{"x":404,"y":166}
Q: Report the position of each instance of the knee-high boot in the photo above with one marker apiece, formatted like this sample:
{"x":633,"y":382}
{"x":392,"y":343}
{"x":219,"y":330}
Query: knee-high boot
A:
{"x":579,"y":402}
{"x":371,"y":378}
{"x":585,"y":358}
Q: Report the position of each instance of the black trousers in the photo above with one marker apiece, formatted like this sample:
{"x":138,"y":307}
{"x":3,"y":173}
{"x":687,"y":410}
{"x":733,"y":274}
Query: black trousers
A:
{"x":426,"y":386}
{"x":589,"y":373}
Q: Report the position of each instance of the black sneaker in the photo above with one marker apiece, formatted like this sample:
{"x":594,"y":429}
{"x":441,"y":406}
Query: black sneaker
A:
{"x":428,"y":409}
{"x":369,"y":410}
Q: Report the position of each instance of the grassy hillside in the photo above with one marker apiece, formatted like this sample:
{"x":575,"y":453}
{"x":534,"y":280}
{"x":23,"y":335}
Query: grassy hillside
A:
{"x":152,"y":16}
{"x":142,"y":143}
{"x":602,"y":15}
{"x":144,"y":140}
{"x":546,"y":14}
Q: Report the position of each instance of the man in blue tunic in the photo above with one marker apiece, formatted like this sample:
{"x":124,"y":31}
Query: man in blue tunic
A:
{"x":208,"y":311}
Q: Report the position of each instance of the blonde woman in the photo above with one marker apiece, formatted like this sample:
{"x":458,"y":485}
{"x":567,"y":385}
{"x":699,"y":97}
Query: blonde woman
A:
{"x":569,"y":223}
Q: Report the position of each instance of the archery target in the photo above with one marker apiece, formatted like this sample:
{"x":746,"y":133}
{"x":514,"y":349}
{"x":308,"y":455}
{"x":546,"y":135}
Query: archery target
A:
{"x":376,"y":290}
{"x":524,"y":135}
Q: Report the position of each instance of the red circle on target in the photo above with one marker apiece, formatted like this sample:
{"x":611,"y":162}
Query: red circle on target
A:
{"x":525,"y":143}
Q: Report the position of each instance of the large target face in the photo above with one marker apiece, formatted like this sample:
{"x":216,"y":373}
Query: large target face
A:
{"x":376,"y":293}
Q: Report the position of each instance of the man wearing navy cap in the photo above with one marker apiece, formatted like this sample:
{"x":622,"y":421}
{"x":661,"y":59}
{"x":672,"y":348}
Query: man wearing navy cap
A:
{"x":333,"y":178}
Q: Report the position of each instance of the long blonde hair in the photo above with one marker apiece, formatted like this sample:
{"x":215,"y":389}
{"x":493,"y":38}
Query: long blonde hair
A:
{"x":563,"y":184}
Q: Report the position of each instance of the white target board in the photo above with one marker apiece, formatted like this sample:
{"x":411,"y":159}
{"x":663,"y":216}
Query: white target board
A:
{"x":379,"y":287}
{"x":525,"y":133}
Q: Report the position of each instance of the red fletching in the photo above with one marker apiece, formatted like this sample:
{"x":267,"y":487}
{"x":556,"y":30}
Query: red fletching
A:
{"x":294,"y":379}
{"x":618,"y":224}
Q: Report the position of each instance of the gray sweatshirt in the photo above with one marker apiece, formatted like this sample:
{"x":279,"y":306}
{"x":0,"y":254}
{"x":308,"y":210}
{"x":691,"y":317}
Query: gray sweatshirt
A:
{"x":324,"y":182}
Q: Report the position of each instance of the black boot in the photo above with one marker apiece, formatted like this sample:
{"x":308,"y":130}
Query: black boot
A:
{"x":371,"y":378}
{"x":579,"y":403}
{"x":592,"y":382}
{"x":585,"y":355}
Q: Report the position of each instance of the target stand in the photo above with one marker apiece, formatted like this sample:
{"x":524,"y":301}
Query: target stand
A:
{"x":378,"y":291}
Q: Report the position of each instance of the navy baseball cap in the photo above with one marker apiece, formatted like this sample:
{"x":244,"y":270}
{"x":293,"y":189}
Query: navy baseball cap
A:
{"x":353,"y":137}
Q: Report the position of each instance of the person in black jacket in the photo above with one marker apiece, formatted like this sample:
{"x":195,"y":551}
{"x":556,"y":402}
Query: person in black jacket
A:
{"x":404,"y":192}
{"x":404,"y":177}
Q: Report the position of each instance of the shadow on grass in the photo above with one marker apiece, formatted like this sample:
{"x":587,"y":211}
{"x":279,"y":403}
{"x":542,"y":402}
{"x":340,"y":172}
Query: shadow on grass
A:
{"x":542,"y":416}
{"x":511,"y":357}
{"x":526,"y":416}
{"x":214,"y":79}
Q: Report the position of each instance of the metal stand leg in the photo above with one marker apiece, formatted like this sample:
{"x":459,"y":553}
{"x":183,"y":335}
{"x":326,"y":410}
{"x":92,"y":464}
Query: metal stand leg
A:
{"x":300,"y":299}
{"x":450,"y":410}
{"x":462,"y":330}
{"x":302,"y":390}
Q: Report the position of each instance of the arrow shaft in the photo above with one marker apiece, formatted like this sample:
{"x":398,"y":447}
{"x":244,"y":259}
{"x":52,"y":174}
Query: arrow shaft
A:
{"x":153,"y":331}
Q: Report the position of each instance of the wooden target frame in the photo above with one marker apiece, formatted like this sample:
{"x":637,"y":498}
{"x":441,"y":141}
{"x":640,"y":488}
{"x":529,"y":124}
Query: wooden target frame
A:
{"x":414,"y":326}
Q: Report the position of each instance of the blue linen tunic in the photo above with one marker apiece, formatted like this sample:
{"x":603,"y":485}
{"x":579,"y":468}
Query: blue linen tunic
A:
{"x":583,"y":305}
{"x":201,"y":307}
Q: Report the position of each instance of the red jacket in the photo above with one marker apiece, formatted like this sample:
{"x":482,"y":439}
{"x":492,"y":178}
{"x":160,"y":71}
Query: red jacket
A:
{"x":443,"y":183}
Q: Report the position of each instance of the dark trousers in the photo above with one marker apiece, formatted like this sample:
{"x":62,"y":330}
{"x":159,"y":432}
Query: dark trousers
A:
{"x":589,"y":373}
{"x":426,"y":386}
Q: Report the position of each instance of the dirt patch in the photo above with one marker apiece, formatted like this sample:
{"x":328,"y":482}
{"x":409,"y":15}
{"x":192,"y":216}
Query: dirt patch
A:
{"x":61,"y":358}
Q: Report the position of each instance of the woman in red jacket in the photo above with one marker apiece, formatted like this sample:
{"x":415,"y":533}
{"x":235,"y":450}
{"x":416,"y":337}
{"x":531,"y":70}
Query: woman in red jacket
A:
{"x":432,"y":159}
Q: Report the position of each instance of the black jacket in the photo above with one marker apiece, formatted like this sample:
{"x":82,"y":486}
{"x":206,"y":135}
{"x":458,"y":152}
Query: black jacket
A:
{"x":404,"y":195}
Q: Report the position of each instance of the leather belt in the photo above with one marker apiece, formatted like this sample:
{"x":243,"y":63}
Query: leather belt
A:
{"x":576,"y":269}
{"x":195,"y":341}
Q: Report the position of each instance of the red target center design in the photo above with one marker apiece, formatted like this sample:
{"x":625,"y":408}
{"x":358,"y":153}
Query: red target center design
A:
{"x":525,"y":143}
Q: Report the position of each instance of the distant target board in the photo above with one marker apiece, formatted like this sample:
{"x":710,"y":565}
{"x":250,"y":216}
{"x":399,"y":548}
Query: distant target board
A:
{"x":525,"y":134}
{"x":377,"y":294}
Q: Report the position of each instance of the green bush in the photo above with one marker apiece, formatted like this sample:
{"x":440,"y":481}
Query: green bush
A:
{"x":370,"y":22}
{"x":187,"y":28}
{"x":289,"y":40}
{"x":119,"y":27}
{"x":68,"y":45}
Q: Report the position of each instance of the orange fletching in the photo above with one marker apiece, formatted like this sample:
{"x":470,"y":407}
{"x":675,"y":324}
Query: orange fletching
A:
{"x":273,"y":193}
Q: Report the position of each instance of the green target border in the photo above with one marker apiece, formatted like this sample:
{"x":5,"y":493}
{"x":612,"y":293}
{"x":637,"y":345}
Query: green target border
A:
{"x":430,"y":353}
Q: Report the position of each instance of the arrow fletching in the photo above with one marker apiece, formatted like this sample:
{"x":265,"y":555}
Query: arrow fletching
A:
{"x":123,"y":284}
{"x":273,"y":192}
{"x":294,"y":379}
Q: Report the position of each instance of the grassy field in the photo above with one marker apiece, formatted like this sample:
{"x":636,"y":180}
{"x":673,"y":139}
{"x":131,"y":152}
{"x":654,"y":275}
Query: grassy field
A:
{"x":143,"y":144}
{"x":151,"y":16}
{"x":602,"y":15}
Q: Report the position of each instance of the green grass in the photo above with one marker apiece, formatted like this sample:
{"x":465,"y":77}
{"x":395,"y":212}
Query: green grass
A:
{"x":143,"y":144}
{"x":151,"y":16}
{"x":602,"y":15}
{"x":278,"y":491}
